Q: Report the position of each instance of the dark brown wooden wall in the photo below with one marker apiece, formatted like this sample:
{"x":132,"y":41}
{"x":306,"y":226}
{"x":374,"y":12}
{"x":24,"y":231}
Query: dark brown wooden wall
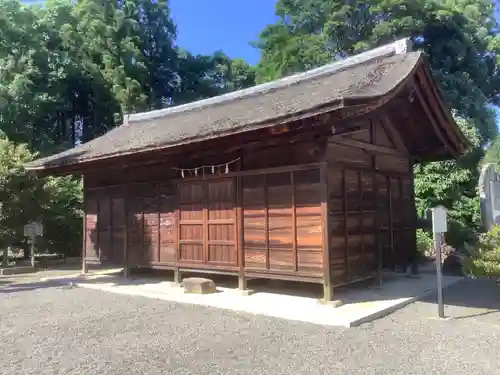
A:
{"x":371,"y":202}
{"x":282,"y":226}
{"x":265,"y":216}
{"x":264,"y":208}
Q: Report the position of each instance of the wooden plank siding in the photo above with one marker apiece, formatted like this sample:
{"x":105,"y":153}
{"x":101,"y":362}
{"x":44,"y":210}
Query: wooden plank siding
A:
{"x":258,"y":221}
{"x":204,"y":223}
{"x":371,"y":203}
{"x":282,"y":229}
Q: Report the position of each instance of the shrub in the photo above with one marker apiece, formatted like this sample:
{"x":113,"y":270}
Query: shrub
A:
{"x":424,"y":243}
{"x":484,"y":260}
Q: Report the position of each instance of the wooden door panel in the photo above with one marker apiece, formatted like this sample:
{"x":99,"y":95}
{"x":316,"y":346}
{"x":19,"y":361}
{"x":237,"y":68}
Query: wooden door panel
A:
{"x":222,"y":254}
{"x":191,"y":252}
{"x":207,"y":222}
{"x":150,"y":224}
{"x":168,"y":223}
{"x":220,"y":223}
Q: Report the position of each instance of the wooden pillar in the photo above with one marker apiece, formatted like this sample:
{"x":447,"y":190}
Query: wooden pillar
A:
{"x":158,"y":216}
{"x":84,"y":239}
{"x":177,"y":276}
{"x":346,"y":228}
{"x":242,"y":281}
{"x":327,"y":280}
{"x":401,"y":222}
{"x":126,"y":270}
{"x":391,"y":223}
{"x":378,"y":246}
{"x":377,"y":229}
{"x":266,"y":220}
{"x":361,"y":223}
{"x":294,"y":225}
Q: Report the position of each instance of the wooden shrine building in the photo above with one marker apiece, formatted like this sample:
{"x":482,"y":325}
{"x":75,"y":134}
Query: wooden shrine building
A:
{"x":306,"y":178}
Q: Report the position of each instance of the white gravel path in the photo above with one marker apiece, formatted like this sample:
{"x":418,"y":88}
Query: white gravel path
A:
{"x":57,"y":330}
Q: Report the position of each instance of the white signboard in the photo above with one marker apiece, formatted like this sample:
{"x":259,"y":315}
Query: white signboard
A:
{"x":439,"y":220}
{"x":33,"y":229}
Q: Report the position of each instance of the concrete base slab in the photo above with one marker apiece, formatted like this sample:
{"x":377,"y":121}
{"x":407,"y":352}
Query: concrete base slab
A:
{"x":360,"y":306}
{"x":84,"y":276}
{"x":243,"y":292}
{"x":335,"y":304}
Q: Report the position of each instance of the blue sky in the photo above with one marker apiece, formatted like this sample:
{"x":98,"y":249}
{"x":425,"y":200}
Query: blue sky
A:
{"x":205,"y":26}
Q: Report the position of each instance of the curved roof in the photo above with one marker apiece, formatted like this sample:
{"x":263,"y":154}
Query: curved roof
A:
{"x":369,"y":75}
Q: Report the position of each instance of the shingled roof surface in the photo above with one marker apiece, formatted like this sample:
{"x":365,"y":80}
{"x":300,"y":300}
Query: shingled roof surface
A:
{"x":370,"y":75}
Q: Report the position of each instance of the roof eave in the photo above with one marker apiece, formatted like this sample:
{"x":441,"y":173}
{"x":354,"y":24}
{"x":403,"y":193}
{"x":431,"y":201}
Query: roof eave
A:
{"x":462,"y":143}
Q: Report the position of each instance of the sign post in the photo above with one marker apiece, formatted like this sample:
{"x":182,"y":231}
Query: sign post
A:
{"x":439,"y":226}
{"x":32,"y":230}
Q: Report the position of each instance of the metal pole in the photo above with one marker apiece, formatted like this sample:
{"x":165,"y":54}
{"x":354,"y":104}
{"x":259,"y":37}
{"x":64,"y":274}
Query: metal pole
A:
{"x":33,"y":239}
{"x":439,"y":273}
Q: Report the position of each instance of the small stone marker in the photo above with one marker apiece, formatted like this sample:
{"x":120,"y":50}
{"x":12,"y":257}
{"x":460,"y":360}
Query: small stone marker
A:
{"x":198,"y":285}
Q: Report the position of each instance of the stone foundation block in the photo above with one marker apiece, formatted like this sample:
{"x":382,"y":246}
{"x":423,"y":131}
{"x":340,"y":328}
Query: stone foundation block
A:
{"x":198,"y":285}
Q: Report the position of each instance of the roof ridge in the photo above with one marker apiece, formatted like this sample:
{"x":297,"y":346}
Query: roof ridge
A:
{"x":397,"y":47}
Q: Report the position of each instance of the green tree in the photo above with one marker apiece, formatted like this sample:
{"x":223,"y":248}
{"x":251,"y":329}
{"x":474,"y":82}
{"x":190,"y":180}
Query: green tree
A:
{"x":460,"y":39}
{"x":25,"y":198}
{"x":20,"y":193}
{"x":492,"y":154}
{"x":204,"y":76}
{"x":87,"y":62}
{"x":62,"y":216}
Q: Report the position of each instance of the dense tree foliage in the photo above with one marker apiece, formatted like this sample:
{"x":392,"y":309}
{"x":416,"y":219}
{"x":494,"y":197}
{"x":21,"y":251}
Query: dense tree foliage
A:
{"x":460,"y":38}
{"x":492,"y":154}
{"x":25,"y":198}
{"x":69,"y":70}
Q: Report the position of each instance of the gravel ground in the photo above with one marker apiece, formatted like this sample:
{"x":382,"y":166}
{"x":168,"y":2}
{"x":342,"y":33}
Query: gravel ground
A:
{"x":58,"y":330}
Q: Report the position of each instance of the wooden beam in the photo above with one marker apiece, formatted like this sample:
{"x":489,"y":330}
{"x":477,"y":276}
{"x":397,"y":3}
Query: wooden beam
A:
{"x":327,"y":279}
{"x":393,"y":134}
{"x":365,"y":146}
{"x":428,"y":83}
{"x":429,"y":114}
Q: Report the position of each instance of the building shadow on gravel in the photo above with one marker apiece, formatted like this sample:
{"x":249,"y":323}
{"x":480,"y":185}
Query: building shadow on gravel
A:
{"x":481,"y":294}
{"x":29,"y":286}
